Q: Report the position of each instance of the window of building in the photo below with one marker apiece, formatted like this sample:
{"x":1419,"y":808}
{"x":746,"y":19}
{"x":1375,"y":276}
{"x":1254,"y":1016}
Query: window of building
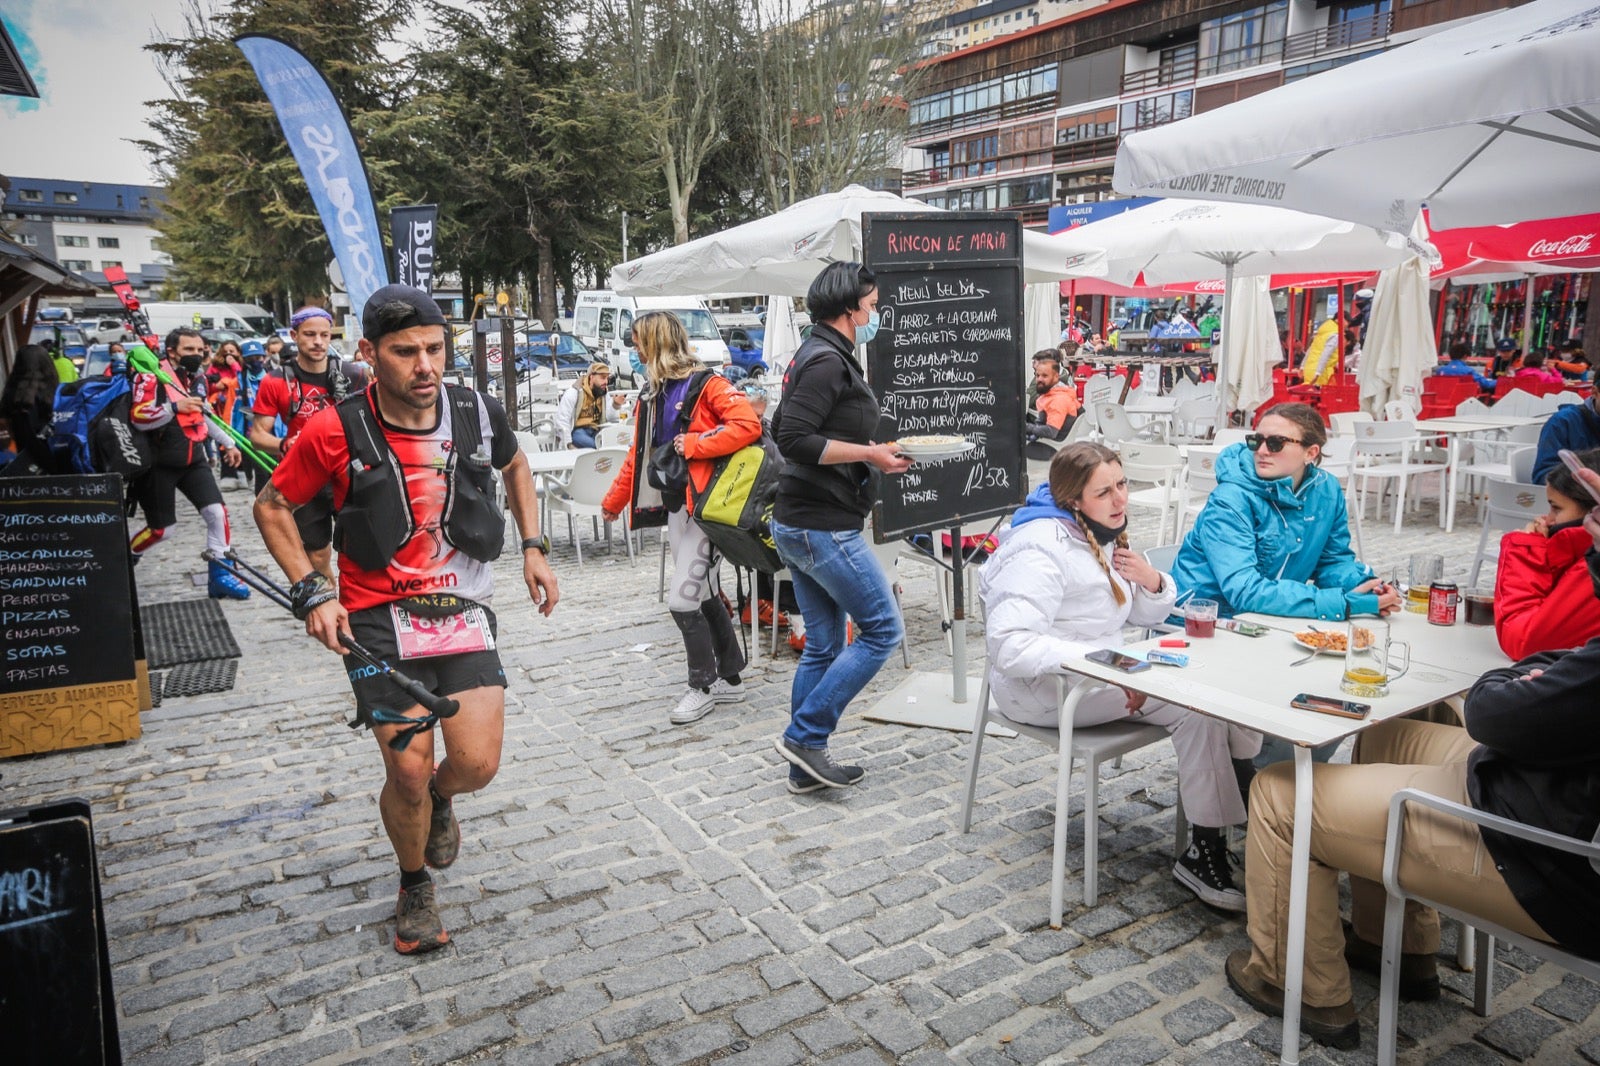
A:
{"x":67,"y":240}
{"x":1157,"y":110}
{"x":75,"y":264}
{"x":144,"y":203}
{"x":30,"y":196}
{"x":1089,"y":126}
{"x":984,"y":96}
{"x":1305,"y":70}
{"x":1243,"y":40}
{"x":28,"y":240}
{"x":106,"y":264}
{"x":1357,"y":10}
{"x":111,"y":242}
{"x":66,"y":197}
{"x":69,"y":218}
{"x":1179,"y":63}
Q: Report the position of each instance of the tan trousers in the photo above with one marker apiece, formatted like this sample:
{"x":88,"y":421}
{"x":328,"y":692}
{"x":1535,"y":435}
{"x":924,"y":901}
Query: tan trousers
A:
{"x":1443,"y":858}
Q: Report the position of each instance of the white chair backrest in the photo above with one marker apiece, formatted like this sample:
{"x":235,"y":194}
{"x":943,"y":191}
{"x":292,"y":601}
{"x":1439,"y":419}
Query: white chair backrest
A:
{"x":1566,"y":399}
{"x":1521,"y":462}
{"x":593,"y":474}
{"x":614,"y":435}
{"x":1471,"y":406}
{"x":1100,"y":388}
{"x":1082,"y":429}
{"x":1528,"y":434}
{"x":1338,"y":455}
{"x":1385,"y":438}
{"x":1155,"y":463}
{"x":1200,"y":472}
{"x":1517,"y":402}
{"x":1398,"y":411}
{"x":1162,"y":557}
{"x":1184,"y":390}
{"x":1115,"y":425}
{"x":1513,"y":504}
{"x":1344,"y":422}
{"x":1196,"y":417}
{"x":1230,"y":435}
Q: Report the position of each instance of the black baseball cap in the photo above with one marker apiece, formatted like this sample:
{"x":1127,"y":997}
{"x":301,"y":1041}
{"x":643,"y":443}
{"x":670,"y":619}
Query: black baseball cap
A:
{"x":383,"y":313}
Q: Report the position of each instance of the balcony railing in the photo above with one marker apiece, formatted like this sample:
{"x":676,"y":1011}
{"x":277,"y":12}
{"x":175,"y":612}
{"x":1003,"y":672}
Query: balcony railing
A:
{"x":1168,"y":74}
{"x":1336,"y":38}
{"x":1033,"y":105}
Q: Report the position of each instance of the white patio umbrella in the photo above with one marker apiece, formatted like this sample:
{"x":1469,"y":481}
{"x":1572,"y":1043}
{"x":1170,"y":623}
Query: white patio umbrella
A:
{"x":1492,"y":121}
{"x":1399,"y":348}
{"x":1041,"y":317}
{"x":1253,"y":347}
{"x":1175,"y":240}
{"x":783,"y":252}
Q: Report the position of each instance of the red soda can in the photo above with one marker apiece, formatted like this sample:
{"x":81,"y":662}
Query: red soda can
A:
{"x":1442,"y":600}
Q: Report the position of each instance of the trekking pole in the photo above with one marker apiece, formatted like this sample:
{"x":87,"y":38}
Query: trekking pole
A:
{"x":144,"y":360}
{"x":438,"y":707}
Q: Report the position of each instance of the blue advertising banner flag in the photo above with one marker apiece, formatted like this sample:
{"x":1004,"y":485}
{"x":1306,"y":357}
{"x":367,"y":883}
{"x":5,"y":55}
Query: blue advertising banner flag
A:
{"x":319,"y":136}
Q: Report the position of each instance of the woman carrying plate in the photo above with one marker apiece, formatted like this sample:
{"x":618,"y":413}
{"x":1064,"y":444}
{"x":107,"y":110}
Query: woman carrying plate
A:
{"x":824,"y":428}
{"x":1065,"y":583}
{"x":1274,"y":536}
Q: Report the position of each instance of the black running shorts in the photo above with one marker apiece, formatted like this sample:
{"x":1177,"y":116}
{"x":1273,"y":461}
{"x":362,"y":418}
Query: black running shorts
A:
{"x":444,"y":675}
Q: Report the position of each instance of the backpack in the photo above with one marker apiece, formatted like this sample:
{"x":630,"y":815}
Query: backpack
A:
{"x":91,"y":432}
{"x":735,"y":509}
{"x":338,"y":386}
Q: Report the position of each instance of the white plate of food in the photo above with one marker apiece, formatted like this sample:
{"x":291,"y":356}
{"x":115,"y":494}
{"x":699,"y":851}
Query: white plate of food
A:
{"x":1331,"y":643}
{"x":934,"y":447}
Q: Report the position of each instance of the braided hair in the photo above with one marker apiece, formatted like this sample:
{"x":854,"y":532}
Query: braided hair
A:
{"x":1070,"y":472}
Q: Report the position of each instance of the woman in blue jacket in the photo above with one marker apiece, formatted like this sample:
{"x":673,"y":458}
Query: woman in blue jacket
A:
{"x":1274,"y":537}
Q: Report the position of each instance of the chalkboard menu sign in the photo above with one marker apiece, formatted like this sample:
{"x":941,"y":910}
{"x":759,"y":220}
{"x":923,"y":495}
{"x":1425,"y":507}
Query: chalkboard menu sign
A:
{"x":948,"y":360}
{"x":56,"y":1002}
{"x":67,"y":676}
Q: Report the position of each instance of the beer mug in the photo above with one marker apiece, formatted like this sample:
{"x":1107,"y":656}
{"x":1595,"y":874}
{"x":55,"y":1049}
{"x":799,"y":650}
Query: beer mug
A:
{"x":1370,"y":660}
{"x":1426,"y":568}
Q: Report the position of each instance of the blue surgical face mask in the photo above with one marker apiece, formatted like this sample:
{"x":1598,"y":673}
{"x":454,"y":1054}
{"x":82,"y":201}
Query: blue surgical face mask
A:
{"x":865,"y":333}
{"x":635,"y":362}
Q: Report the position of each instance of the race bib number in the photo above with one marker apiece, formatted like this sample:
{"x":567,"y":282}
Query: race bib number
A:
{"x":420,"y":638}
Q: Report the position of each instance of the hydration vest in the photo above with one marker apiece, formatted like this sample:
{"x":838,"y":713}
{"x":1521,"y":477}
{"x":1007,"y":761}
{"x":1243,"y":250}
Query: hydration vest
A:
{"x":375,"y":520}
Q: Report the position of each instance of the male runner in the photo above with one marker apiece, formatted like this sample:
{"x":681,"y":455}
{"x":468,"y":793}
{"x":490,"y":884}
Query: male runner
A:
{"x":175,"y":419}
{"x":299,"y":389}
{"x":413,"y":572}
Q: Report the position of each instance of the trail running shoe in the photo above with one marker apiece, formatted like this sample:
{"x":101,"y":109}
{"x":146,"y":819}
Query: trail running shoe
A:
{"x":444,"y":835}
{"x":417,"y":927}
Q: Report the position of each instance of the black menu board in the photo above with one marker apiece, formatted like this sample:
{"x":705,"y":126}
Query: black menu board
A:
{"x":56,"y":997}
{"x":948,"y":360}
{"x":67,"y":675}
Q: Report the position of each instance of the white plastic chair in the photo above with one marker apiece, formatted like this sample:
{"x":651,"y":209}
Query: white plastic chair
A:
{"x":1101,"y":388}
{"x":1387,"y":451}
{"x":1161,"y":467}
{"x":1090,"y":745}
{"x":614,"y":435}
{"x":1230,"y":435}
{"x":592,"y":475}
{"x":1195,"y":420}
{"x":1399,"y":411}
{"x":1472,"y":406}
{"x":1199,"y":479}
{"x":1567,"y":399}
{"x":1491,"y":460}
{"x":1518,"y":402}
{"x":1511,"y":505}
{"x":1116,"y":426}
{"x":1343,"y":423}
{"x":1485,"y":933}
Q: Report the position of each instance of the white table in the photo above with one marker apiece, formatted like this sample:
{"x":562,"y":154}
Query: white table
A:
{"x":1453,"y":428}
{"x":1248,"y":681}
{"x":1457,"y":647}
{"x":547,"y":468}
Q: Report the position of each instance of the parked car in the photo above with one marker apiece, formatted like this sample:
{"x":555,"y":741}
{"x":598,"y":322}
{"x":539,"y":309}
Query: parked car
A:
{"x":745,"y":344}
{"x":61,"y":336}
{"x":106,"y":330}
{"x":571,"y":354}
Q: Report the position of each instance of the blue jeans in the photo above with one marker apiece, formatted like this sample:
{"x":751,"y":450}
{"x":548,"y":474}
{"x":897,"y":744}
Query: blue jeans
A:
{"x":584,"y":436}
{"x":835,"y":575}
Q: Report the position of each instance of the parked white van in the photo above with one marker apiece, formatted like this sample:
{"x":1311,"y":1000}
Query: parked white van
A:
{"x":247,"y":320}
{"x":602,"y":319}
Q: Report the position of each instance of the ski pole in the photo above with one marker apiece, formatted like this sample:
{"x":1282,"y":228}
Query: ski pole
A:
{"x":438,"y":707}
{"x":144,"y":361}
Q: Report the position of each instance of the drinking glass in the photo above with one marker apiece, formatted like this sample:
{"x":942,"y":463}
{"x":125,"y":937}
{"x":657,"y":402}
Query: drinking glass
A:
{"x":1426,"y":568}
{"x":1479,"y":606}
{"x":1370,"y":659}
{"x":1200,"y":618}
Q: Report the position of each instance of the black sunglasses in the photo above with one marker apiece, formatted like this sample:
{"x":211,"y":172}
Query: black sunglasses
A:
{"x":1254,"y":441}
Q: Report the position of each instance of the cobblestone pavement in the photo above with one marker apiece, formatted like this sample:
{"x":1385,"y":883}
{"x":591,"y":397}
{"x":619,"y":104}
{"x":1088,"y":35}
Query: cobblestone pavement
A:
{"x":633,"y":892}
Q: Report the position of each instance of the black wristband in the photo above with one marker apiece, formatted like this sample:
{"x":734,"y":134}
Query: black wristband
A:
{"x":542,"y":543}
{"x":309,"y":593}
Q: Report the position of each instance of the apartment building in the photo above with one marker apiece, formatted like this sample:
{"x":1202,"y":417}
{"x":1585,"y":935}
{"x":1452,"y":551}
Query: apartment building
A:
{"x":89,"y":226}
{"x":1032,"y":120}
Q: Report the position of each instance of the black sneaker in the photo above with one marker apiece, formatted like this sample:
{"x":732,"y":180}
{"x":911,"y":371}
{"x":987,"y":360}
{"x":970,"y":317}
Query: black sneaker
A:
{"x":444,"y":835}
{"x":801,"y":782}
{"x":417,"y":926}
{"x":817,"y":764}
{"x":1205,"y":870}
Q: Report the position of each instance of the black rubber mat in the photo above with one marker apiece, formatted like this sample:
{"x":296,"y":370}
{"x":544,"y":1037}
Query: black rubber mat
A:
{"x":196,"y":679}
{"x":186,"y":631}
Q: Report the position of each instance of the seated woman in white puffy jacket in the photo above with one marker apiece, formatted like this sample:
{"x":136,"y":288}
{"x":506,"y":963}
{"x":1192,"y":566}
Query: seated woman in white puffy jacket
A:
{"x":1064,"y":583}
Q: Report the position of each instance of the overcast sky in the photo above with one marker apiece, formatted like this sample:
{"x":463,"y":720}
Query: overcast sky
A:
{"x":88,"y":59}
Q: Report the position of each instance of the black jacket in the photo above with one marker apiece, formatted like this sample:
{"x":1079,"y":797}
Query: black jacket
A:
{"x":825,"y":397}
{"x":1539,"y":764}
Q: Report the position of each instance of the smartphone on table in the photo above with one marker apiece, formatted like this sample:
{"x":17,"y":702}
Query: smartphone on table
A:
{"x":1573,"y":465}
{"x":1117,"y":661}
{"x":1330,"y":705}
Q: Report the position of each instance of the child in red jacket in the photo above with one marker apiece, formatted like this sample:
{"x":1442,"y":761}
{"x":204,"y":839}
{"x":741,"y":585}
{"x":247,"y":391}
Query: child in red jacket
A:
{"x":1543,"y":598}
